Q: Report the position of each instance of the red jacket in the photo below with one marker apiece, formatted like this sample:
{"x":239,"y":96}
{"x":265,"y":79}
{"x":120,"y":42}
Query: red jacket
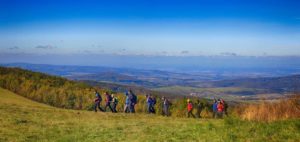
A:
{"x":190,"y":107}
{"x":220,"y":107}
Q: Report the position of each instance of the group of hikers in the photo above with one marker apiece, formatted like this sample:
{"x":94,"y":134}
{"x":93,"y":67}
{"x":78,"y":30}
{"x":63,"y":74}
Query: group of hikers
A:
{"x":219,"y":106}
{"x":110,"y":101}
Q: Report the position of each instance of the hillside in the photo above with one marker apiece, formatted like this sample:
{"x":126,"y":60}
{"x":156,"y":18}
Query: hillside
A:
{"x":52,"y":90}
{"x":64,"y":93}
{"x":25,"y":120}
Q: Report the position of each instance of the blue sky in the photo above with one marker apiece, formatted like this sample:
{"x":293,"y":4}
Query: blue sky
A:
{"x":153,"y":27}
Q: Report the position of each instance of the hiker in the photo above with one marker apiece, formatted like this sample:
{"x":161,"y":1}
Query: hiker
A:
{"x":190,"y":108}
{"x":220,"y":111}
{"x":199,"y":109}
{"x":153,"y":103}
{"x":98,"y":100}
{"x":127,"y":102}
{"x":225,"y":107}
{"x":215,"y":108}
{"x":108,"y":100}
{"x":162,"y":106}
{"x":114,"y":102}
{"x":150,"y":104}
{"x":133,"y":102}
{"x":166,"y":106}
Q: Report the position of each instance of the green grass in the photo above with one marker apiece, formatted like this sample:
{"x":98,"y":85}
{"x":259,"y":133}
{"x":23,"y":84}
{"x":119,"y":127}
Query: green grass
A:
{"x":24,"y":120}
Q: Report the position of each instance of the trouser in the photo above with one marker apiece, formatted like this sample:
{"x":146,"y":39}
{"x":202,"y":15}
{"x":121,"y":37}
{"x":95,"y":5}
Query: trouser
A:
{"x":166,"y":111}
{"x":132,"y":109}
{"x":114,"y":107}
{"x":214,"y":114}
{"x":190,"y":113}
{"x":126,"y":108}
{"x":220,"y":114}
{"x":151,"y":109}
{"x":163,"y":109}
{"x":198,"y":113}
{"x":109,"y":106}
{"x":97,"y":105}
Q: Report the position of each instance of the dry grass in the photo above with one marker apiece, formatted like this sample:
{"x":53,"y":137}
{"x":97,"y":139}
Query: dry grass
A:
{"x":271,"y":111}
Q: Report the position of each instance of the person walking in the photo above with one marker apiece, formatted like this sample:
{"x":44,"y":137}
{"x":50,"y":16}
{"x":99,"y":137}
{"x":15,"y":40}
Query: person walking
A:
{"x":108,"y":100}
{"x":133,"y":102}
{"x":215,"y":108}
{"x":153,"y":104}
{"x":114,"y":102}
{"x":220,"y":108}
{"x":166,"y":106}
{"x":190,"y":109}
{"x":225,"y":107}
{"x":150,"y":103}
{"x":127,"y":102}
{"x":98,"y":101}
{"x":199,"y":108}
{"x":162,"y":106}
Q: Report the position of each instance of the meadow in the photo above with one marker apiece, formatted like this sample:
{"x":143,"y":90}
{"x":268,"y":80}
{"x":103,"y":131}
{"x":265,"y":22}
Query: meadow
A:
{"x":22,"y":119}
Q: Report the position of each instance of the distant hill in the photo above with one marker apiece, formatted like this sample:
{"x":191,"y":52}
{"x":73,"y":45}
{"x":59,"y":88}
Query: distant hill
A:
{"x":272,"y":84}
{"x":125,"y":76}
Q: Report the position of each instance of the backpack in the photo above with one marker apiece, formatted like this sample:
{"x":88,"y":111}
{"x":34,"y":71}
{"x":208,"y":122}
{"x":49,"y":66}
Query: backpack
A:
{"x":134,"y":98}
{"x":109,"y":98}
{"x":115,"y":100}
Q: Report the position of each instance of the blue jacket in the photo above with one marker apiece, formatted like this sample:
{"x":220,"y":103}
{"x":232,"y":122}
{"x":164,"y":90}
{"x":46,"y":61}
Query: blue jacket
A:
{"x":215,"y":107}
{"x":150,"y":101}
{"x":128,"y":98}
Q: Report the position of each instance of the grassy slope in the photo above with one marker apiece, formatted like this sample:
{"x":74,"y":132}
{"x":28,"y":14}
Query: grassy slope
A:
{"x":25,"y":120}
